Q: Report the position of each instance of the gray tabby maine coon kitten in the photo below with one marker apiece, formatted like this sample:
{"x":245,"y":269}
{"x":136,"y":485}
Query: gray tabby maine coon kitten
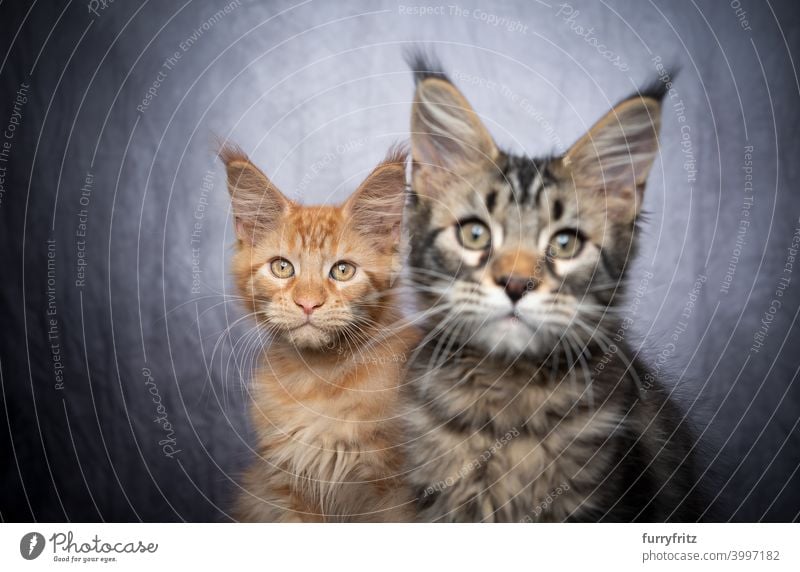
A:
{"x":525,"y":405}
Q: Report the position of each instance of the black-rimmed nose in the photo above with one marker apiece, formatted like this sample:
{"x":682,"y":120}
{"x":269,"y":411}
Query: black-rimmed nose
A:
{"x":516,"y":287}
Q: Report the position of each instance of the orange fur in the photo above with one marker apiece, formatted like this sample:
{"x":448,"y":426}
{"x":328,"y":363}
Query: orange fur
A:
{"x":326,"y":402}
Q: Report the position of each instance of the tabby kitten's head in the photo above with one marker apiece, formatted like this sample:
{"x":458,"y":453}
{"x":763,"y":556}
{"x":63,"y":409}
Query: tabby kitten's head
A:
{"x":516,"y":255}
{"x":316,"y":276}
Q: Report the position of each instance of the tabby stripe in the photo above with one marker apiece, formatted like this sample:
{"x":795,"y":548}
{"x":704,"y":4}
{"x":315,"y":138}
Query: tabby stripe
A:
{"x":606,"y":263}
{"x":558,"y":209}
{"x":431,"y":236}
{"x":546,"y":179}
{"x":491,"y":201}
{"x":537,"y":188}
{"x":526,"y":173}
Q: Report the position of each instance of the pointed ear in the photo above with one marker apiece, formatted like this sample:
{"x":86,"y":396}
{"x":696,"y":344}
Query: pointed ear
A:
{"x":618,"y":151}
{"x":257,"y":203}
{"x":445,"y":130}
{"x":376,"y":207}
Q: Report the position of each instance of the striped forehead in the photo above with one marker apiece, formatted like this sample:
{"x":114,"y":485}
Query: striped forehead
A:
{"x":527,"y":178}
{"x":516,"y":199}
{"x":313,"y":228}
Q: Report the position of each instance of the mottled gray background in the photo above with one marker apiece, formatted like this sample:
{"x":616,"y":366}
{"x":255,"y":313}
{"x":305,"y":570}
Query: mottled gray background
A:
{"x":316,"y":92}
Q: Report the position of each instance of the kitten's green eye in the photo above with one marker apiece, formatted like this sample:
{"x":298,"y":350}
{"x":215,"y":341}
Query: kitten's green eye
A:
{"x":566,"y":244}
{"x":342,"y":271}
{"x":282,"y":268}
{"x":474,"y":235}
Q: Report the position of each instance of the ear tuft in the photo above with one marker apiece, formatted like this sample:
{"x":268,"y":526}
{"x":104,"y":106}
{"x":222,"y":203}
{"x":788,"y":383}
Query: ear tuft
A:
{"x":376,"y":207}
{"x":230,"y":152}
{"x":660,"y":86}
{"x":424,"y":65}
{"x":257,"y":203}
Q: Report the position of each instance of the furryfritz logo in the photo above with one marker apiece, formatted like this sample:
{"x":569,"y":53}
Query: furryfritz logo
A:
{"x":31,"y":545}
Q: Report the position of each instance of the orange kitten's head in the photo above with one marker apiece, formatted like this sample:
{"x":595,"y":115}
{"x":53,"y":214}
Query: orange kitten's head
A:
{"x":316,"y":276}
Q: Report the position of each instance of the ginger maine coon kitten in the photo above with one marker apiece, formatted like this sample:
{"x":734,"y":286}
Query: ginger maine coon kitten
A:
{"x":319,"y":279}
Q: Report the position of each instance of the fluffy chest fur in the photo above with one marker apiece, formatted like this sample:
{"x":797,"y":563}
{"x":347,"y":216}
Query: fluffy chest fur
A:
{"x":497,"y":442}
{"x":322,"y":419}
{"x":517,"y":444}
{"x":328,"y":435}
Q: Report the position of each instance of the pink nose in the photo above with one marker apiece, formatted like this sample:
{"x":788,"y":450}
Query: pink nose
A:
{"x":308,"y":304}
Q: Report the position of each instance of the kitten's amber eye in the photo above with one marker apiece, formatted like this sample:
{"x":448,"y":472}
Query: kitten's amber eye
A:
{"x":282,"y":268}
{"x":342,"y":271}
{"x":474,"y":235}
{"x":565,"y":244}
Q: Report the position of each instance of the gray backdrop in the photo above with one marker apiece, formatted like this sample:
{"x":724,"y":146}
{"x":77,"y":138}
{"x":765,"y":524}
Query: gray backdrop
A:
{"x":116,"y":231}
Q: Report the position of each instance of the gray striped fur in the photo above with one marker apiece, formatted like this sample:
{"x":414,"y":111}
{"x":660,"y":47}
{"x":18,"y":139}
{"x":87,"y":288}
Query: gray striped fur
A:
{"x":542,"y":417}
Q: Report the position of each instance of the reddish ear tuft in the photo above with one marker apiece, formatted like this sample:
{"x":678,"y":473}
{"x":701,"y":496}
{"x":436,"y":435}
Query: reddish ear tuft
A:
{"x":230,"y":152}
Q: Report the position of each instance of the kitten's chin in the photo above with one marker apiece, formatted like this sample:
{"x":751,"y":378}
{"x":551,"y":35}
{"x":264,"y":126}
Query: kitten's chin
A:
{"x":510,"y":338}
{"x":308,"y":337}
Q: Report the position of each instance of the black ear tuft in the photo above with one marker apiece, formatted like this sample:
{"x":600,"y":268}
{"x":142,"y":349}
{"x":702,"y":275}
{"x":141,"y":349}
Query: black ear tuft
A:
{"x":424,"y":65}
{"x":659,"y":87}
